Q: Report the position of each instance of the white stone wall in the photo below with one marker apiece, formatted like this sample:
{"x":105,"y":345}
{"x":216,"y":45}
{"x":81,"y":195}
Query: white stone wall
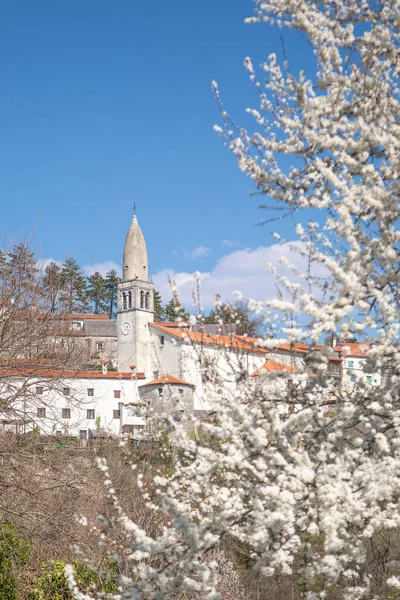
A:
{"x":355,"y":369}
{"x":78,"y":401}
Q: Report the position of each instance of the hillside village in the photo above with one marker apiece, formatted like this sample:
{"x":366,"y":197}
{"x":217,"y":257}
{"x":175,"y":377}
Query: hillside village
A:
{"x":141,"y":372}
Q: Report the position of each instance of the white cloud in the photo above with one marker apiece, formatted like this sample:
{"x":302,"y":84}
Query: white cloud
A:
{"x":102,"y":268}
{"x":245,"y":271}
{"x":229,"y":243}
{"x":200,"y":252}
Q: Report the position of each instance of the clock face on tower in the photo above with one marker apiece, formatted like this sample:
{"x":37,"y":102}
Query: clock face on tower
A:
{"x":125,"y":327}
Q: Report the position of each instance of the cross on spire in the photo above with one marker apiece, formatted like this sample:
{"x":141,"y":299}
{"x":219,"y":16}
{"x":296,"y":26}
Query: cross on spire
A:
{"x":134,"y":209}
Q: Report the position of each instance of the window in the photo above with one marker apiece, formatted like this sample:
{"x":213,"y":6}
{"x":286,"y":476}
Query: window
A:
{"x":351,"y":364}
{"x":66,"y":413}
{"x":83,"y":434}
{"x":116,"y":414}
{"x":129,"y":299}
{"x":90,"y":413}
{"x":58,"y":433}
{"x":66,"y":391}
{"x":352,"y":378}
{"x":117,"y":393}
{"x":147,"y":303}
{"x":142,"y":299}
{"x":161,"y":340}
{"x":160,"y":391}
{"x":180,"y":391}
{"x":369,"y":378}
{"x":39,"y":389}
{"x":155,"y":374}
{"x":100,"y":346}
{"x":41,"y":412}
{"x":124,"y":306}
{"x":90,"y":391}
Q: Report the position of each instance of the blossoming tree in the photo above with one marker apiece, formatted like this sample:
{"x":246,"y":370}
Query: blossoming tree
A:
{"x":304,"y":481}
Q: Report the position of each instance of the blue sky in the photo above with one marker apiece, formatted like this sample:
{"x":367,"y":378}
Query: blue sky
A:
{"x":105,"y":104}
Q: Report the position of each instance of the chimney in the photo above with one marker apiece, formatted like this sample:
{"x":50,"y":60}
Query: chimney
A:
{"x":334,"y":340}
{"x":104,"y":369}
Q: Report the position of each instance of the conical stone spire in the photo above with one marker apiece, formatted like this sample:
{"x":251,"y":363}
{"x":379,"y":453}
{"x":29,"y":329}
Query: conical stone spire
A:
{"x":135,"y":254}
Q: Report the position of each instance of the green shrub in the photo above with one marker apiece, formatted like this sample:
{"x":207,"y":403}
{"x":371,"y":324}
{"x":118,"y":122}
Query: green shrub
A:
{"x":52,"y":583}
{"x":14,"y":554}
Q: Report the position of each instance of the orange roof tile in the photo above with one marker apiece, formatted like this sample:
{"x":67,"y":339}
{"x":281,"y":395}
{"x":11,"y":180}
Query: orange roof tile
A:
{"x":272,"y":366}
{"x":354,"y":348}
{"x":174,"y":324}
{"x":66,"y":374}
{"x":29,"y":314}
{"x":210,"y":339}
{"x":168,"y":379}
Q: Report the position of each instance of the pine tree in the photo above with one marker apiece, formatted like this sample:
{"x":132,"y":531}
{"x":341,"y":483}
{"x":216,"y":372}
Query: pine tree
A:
{"x":51,"y":284}
{"x":111,"y":283}
{"x":159,"y":311}
{"x":21,"y":269}
{"x":173,"y":311}
{"x":73,"y":295}
{"x":97,"y":293}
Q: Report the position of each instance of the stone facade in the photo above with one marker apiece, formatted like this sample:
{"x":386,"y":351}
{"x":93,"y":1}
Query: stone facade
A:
{"x":167,"y":400}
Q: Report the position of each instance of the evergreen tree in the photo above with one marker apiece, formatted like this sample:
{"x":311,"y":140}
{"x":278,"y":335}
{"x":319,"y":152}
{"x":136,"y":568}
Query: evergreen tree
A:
{"x":73,"y":295}
{"x":111,"y":283}
{"x":51,"y":284}
{"x":174,"y":311}
{"x":97,"y":293}
{"x":21,"y":272}
{"x":159,"y":311}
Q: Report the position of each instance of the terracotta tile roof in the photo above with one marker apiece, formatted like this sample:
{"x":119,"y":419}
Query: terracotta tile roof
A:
{"x":271,"y":366}
{"x":297,"y":347}
{"x":168,"y":379}
{"x":354,"y":348}
{"x":29,"y":314}
{"x":221,"y":341}
{"x":53,"y":373}
{"x":173,"y":324}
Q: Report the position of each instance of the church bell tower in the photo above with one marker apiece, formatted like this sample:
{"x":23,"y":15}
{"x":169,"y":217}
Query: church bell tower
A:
{"x":135,"y":304}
